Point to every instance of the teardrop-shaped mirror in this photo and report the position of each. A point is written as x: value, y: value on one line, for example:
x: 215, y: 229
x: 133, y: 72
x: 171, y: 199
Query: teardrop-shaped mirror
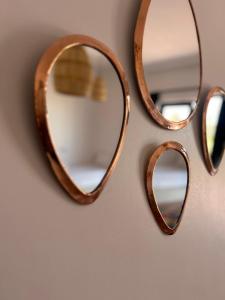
x: 82, y: 107
x: 213, y: 129
x: 168, y: 61
x: 167, y: 183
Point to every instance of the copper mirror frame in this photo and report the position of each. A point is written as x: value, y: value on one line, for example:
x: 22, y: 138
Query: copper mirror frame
x: 139, y: 70
x: 40, y: 88
x: 209, y: 164
x: 149, y: 183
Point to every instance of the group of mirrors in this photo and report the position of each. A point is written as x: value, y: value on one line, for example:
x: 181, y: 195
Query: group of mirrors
x: 82, y: 107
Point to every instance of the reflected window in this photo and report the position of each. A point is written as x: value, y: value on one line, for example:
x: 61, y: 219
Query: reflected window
x: 176, y: 111
x: 175, y: 104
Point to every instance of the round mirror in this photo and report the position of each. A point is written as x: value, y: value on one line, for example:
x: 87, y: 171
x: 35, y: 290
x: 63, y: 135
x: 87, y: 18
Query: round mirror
x: 167, y: 185
x: 82, y: 102
x: 213, y: 129
x: 168, y: 61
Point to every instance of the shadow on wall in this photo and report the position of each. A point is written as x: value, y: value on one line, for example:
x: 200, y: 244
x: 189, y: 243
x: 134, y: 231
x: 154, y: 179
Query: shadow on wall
x: 143, y: 162
x: 197, y: 121
x: 24, y: 49
x: 125, y: 38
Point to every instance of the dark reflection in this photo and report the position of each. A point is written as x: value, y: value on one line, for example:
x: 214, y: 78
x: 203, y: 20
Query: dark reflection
x: 215, y: 128
x: 170, y: 185
x: 171, y: 58
x: 85, y: 114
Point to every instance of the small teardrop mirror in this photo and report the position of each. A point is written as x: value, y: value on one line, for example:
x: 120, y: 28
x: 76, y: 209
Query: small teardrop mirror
x: 213, y: 129
x: 167, y: 185
x: 82, y: 106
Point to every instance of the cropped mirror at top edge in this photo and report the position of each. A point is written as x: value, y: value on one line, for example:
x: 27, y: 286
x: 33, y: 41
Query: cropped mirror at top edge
x: 214, y: 129
x: 168, y: 179
x: 168, y: 60
x: 87, y: 110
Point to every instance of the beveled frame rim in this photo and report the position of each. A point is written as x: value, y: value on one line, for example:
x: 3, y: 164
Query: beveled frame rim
x: 40, y: 88
x: 145, y: 92
x: 153, y: 159
x: 208, y: 161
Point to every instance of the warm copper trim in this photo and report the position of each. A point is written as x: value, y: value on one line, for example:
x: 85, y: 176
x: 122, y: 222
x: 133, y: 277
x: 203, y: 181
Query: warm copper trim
x: 139, y: 69
x: 209, y: 164
x: 149, y: 183
x: 42, y: 73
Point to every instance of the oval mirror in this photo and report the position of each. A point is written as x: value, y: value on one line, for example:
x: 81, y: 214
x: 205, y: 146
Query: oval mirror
x: 82, y: 106
x: 213, y: 129
x: 168, y: 61
x: 167, y: 183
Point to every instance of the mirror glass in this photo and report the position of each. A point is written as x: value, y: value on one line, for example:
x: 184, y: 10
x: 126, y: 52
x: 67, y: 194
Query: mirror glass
x: 170, y: 181
x: 215, y: 128
x: 85, y: 110
x: 171, y: 58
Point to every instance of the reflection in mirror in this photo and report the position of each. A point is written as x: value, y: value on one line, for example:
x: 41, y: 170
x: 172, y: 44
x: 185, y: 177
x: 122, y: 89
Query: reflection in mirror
x: 171, y: 60
x: 168, y: 179
x: 85, y: 114
x: 214, y: 128
x: 169, y: 186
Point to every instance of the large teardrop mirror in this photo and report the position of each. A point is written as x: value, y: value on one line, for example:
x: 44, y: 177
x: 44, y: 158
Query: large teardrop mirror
x: 82, y: 107
x: 167, y: 185
x: 168, y: 61
x: 213, y: 129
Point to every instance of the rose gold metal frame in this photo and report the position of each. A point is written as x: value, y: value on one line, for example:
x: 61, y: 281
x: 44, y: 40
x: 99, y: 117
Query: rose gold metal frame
x: 209, y: 164
x: 149, y: 184
x: 139, y: 69
x: 41, y: 77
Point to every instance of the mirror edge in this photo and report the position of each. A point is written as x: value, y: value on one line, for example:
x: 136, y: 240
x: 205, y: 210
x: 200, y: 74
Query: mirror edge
x: 154, y: 157
x: 208, y: 161
x: 139, y: 70
x: 40, y: 88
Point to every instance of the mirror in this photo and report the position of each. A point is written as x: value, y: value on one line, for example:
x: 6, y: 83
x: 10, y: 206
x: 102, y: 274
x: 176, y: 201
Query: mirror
x: 168, y: 61
x: 86, y: 106
x: 167, y: 184
x: 214, y: 128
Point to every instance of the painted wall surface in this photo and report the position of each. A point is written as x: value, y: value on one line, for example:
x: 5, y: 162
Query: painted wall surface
x: 52, y: 248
